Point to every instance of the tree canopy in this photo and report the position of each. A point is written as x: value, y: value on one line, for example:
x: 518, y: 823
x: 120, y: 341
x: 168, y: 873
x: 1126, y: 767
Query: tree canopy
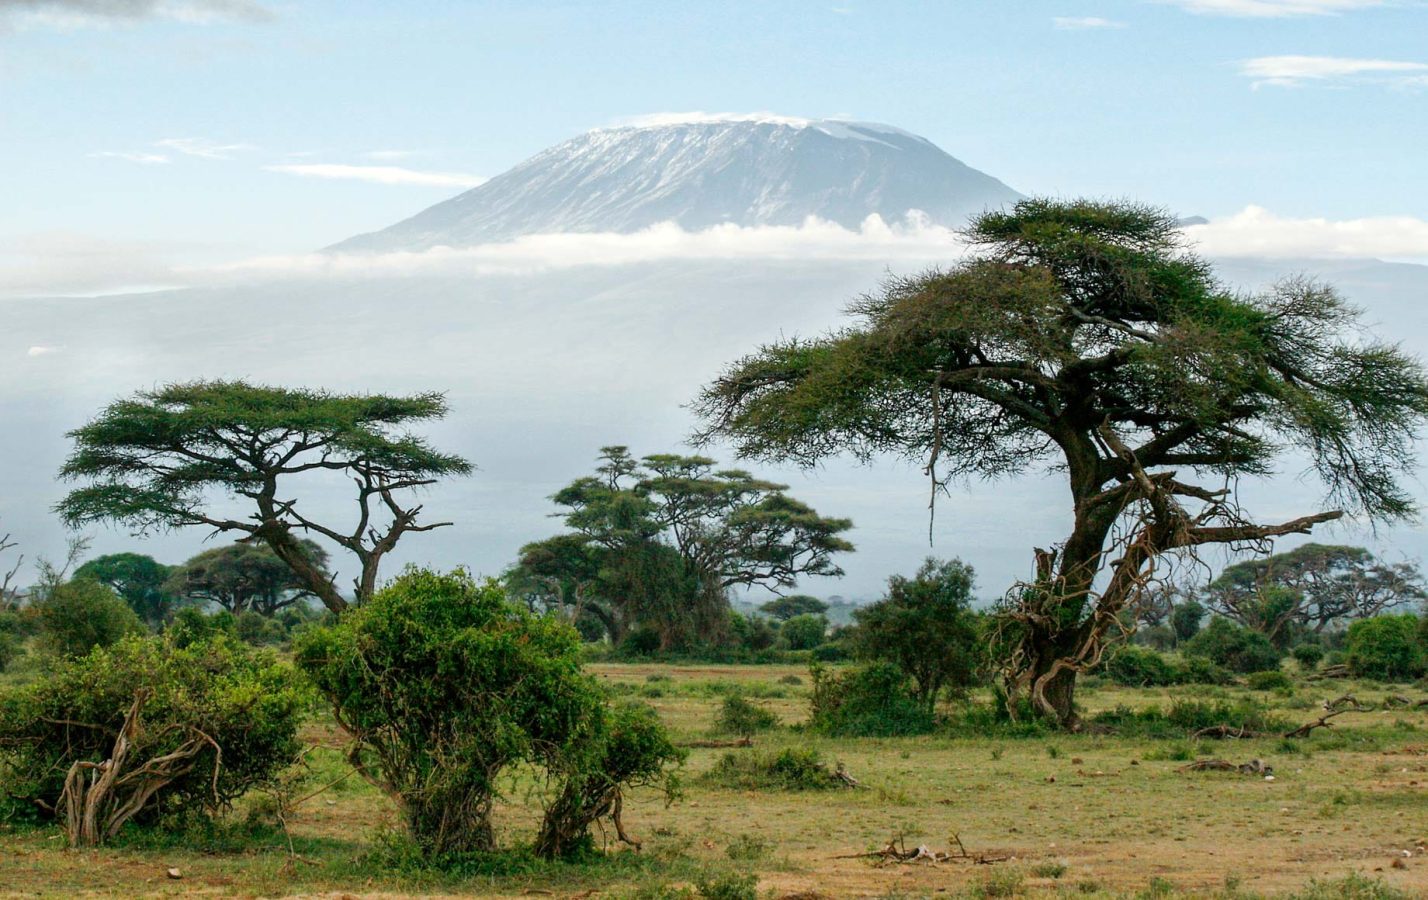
x: 661, y: 540
x: 138, y: 578
x: 1083, y: 338
x: 1311, y: 588
x: 244, y: 577
x: 157, y: 459
x: 785, y: 608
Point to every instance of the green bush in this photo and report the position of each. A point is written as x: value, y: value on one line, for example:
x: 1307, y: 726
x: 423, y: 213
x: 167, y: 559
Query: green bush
x: 248, y: 703
x: 11, y: 638
x: 1135, y: 666
x: 77, y: 616
x: 639, y: 643
x: 833, y: 651
x: 1386, y: 648
x: 804, y: 632
x: 793, y: 769
x: 257, y: 629
x: 443, y: 685
x: 1308, y: 656
x: 1234, y: 647
x: 738, y: 716
x: 869, y: 701
x: 1273, y: 680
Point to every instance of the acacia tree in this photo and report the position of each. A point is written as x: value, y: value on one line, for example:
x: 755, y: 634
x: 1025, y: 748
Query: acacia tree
x: 9, y: 589
x: 138, y: 578
x: 662, y: 540
x: 1083, y: 338
x: 156, y: 460
x: 244, y: 577
x: 1310, y: 588
x: 785, y: 608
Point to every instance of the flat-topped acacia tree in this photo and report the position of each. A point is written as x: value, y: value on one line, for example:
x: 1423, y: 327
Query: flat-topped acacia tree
x: 158, y: 459
x: 1083, y: 338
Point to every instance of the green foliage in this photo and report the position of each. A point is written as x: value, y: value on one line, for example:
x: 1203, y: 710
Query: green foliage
x: 1234, y: 647
x: 248, y: 703
x: 804, y: 632
x: 1273, y: 680
x: 1387, y: 648
x: 739, y: 716
x: 785, y: 608
x: 867, y: 701
x: 627, y: 747
x: 1308, y: 655
x: 11, y: 643
x: 443, y: 684
x: 728, y: 886
x: 926, y: 628
x: 246, y: 577
x: 1134, y: 666
x: 792, y: 769
x: 137, y: 578
x: 1080, y: 336
x: 79, y: 615
x: 658, y: 542
x: 156, y: 460
x: 1185, y: 620
x: 1186, y: 716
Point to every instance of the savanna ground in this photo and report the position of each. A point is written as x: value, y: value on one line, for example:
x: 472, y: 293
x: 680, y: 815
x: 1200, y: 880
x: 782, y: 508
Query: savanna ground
x: 1084, y: 815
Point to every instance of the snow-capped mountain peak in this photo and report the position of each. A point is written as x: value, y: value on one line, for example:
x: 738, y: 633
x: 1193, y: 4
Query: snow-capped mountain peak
x: 699, y: 170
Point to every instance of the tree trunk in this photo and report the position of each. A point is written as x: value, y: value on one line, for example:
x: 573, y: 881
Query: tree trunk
x: 312, y: 577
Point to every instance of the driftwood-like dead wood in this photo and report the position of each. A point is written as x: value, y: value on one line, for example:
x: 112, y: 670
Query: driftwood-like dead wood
x: 840, y: 775
x: 1339, y: 671
x: 897, y: 852
x: 1221, y: 732
x: 1321, y: 722
x: 740, y: 742
x: 98, y: 798
x: 1396, y: 701
x: 1253, y: 767
x: 1346, y: 702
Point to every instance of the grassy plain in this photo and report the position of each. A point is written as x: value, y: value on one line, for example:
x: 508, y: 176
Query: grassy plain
x: 1085, y: 815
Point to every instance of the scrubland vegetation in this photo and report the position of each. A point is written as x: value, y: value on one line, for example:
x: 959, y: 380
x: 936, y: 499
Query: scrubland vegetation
x: 598, y: 718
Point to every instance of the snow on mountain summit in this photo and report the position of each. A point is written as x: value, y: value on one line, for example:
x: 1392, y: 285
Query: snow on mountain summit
x: 700, y: 170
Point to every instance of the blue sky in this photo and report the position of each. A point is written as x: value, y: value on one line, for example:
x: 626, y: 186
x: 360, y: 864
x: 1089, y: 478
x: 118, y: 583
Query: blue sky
x: 1309, y: 108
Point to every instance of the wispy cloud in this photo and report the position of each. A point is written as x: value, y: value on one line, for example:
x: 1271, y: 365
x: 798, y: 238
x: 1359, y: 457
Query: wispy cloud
x: 41, y: 351
x: 145, y: 158
x: 55, y: 263
x: 1084, y: 23
x: 1273, y: 9
x: 202, y: 147
x: 1257, y: 232
x: 1293, y: 71
x: 84, y: 13
x: 391, y: 154
x: 379, y: 174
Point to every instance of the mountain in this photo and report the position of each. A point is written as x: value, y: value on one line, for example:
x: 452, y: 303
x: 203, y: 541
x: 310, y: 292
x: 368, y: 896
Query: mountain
x: 698, y: 174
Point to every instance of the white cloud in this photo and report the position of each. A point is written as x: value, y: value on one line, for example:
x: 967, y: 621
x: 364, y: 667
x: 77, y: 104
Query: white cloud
x: 145, y: 158
x: 391, y: 154
x: 41, y: 351
x: 1084, y: 23
x: 84, y: 13
x: 202, y: 147
x: 69, y: 264
x: 1257, y: 232
x: 1273, y: 9
x: 379, y: 174
x: 1293, y: 71
x: 53, y: 263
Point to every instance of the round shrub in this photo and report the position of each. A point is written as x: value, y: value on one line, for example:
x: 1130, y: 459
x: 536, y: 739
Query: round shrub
x: 1139, y: 667
x: 1234, y: 647
x: 443, y: 684
x: 743, y: 718
x: 1272, y: 680
x: 1386, y: 648
x: 869, y: 701
x: 77, y: 616
x: 804, y: 632
x: 248, y: 703
x: 641, y: 641
x: 1308, y: 656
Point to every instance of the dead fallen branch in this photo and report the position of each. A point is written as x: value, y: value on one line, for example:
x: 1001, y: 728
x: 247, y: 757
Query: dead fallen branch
x: 1253, y: 767
x: 1345, y: 703
x: 897, y: 852
x: 1339, y: 671
x: 1221, y: 732
x: 1396, y: 701
x: 1321, y: 722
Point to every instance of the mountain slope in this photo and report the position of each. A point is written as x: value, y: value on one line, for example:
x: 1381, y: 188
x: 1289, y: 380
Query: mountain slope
x: 699, y: 174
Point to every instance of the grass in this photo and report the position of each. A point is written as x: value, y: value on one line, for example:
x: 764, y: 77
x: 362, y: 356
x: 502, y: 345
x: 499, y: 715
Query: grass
x: 1088, y: 815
